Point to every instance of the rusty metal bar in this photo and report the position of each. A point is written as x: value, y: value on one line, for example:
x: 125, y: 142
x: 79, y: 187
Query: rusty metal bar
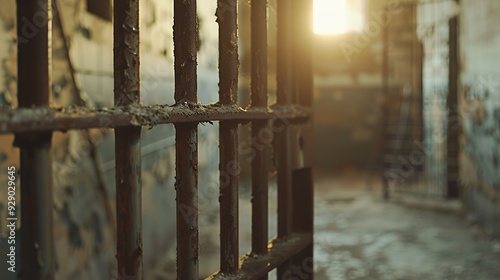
x: 452, y: 142
x: 260, y: 190
x: 228, y: 51
x: 128, y: 141
x: 185, y: 51
x: 303, y: 222
x: 259, y: 52
x: 186, y: 186
x: 284, y: 51
x: 35, y: 53
x: 280, y: 250
x: 302, y: 12
x: 301, y: 179
x: 186, y: 140
x: 34, y: 90
x: 50, y: 119
x: 228, y: 135
x: 259, y: 129
x: 229, y: 171
x: 282, y: 149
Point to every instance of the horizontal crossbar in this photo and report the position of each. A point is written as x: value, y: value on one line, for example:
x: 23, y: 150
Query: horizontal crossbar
x: 280, y: 250
x: 62, y: 119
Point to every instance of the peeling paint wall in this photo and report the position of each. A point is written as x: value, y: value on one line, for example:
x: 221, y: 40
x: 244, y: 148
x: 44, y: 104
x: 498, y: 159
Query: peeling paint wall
x: 479, y: 97
x: 433, y: 31
x: 84, y: 233
x: 480, y: 108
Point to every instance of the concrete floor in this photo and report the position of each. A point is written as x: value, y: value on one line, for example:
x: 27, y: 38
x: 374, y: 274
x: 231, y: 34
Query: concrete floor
x: 360, y: 236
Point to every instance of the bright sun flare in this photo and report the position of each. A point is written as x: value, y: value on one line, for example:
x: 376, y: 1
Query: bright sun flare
x: 330, y: 16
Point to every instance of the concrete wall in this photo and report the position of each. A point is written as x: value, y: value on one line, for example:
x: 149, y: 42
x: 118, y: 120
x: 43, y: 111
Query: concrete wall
x: 480, y: 108
x: 85, y: 243
x: 479, y: 97
x: 348, y: 98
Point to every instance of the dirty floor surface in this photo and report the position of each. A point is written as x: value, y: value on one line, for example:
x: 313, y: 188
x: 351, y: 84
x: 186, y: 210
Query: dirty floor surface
x: 359, y: 236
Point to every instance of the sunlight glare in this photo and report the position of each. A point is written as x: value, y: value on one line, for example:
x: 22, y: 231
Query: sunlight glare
x: 330, y: 16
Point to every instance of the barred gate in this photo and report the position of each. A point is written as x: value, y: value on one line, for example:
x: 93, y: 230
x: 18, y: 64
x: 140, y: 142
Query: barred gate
x: 421, y: 133
x: 34, y: 121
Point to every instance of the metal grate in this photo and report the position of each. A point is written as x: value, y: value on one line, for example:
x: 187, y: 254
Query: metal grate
x: 34, y: 121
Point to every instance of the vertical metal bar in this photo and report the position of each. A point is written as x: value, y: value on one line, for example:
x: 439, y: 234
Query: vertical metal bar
x: 302, y: 182
x: 34, y: 52
x: 259, y: 98
x: 302, y: 12
x: 228, y: 51
x: 282, y: 139
x: 128, y: 141
x: 259, y: 52
x: 284, y: 52
x: 303, y: 200
x: 282, y: 148
x: 186, y: 140
x: 228, y: 199
x: 452, y: 143
x: 185, y: 40
x: 284, y: 86
x: 34, y: 86
x: 228, y: 137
